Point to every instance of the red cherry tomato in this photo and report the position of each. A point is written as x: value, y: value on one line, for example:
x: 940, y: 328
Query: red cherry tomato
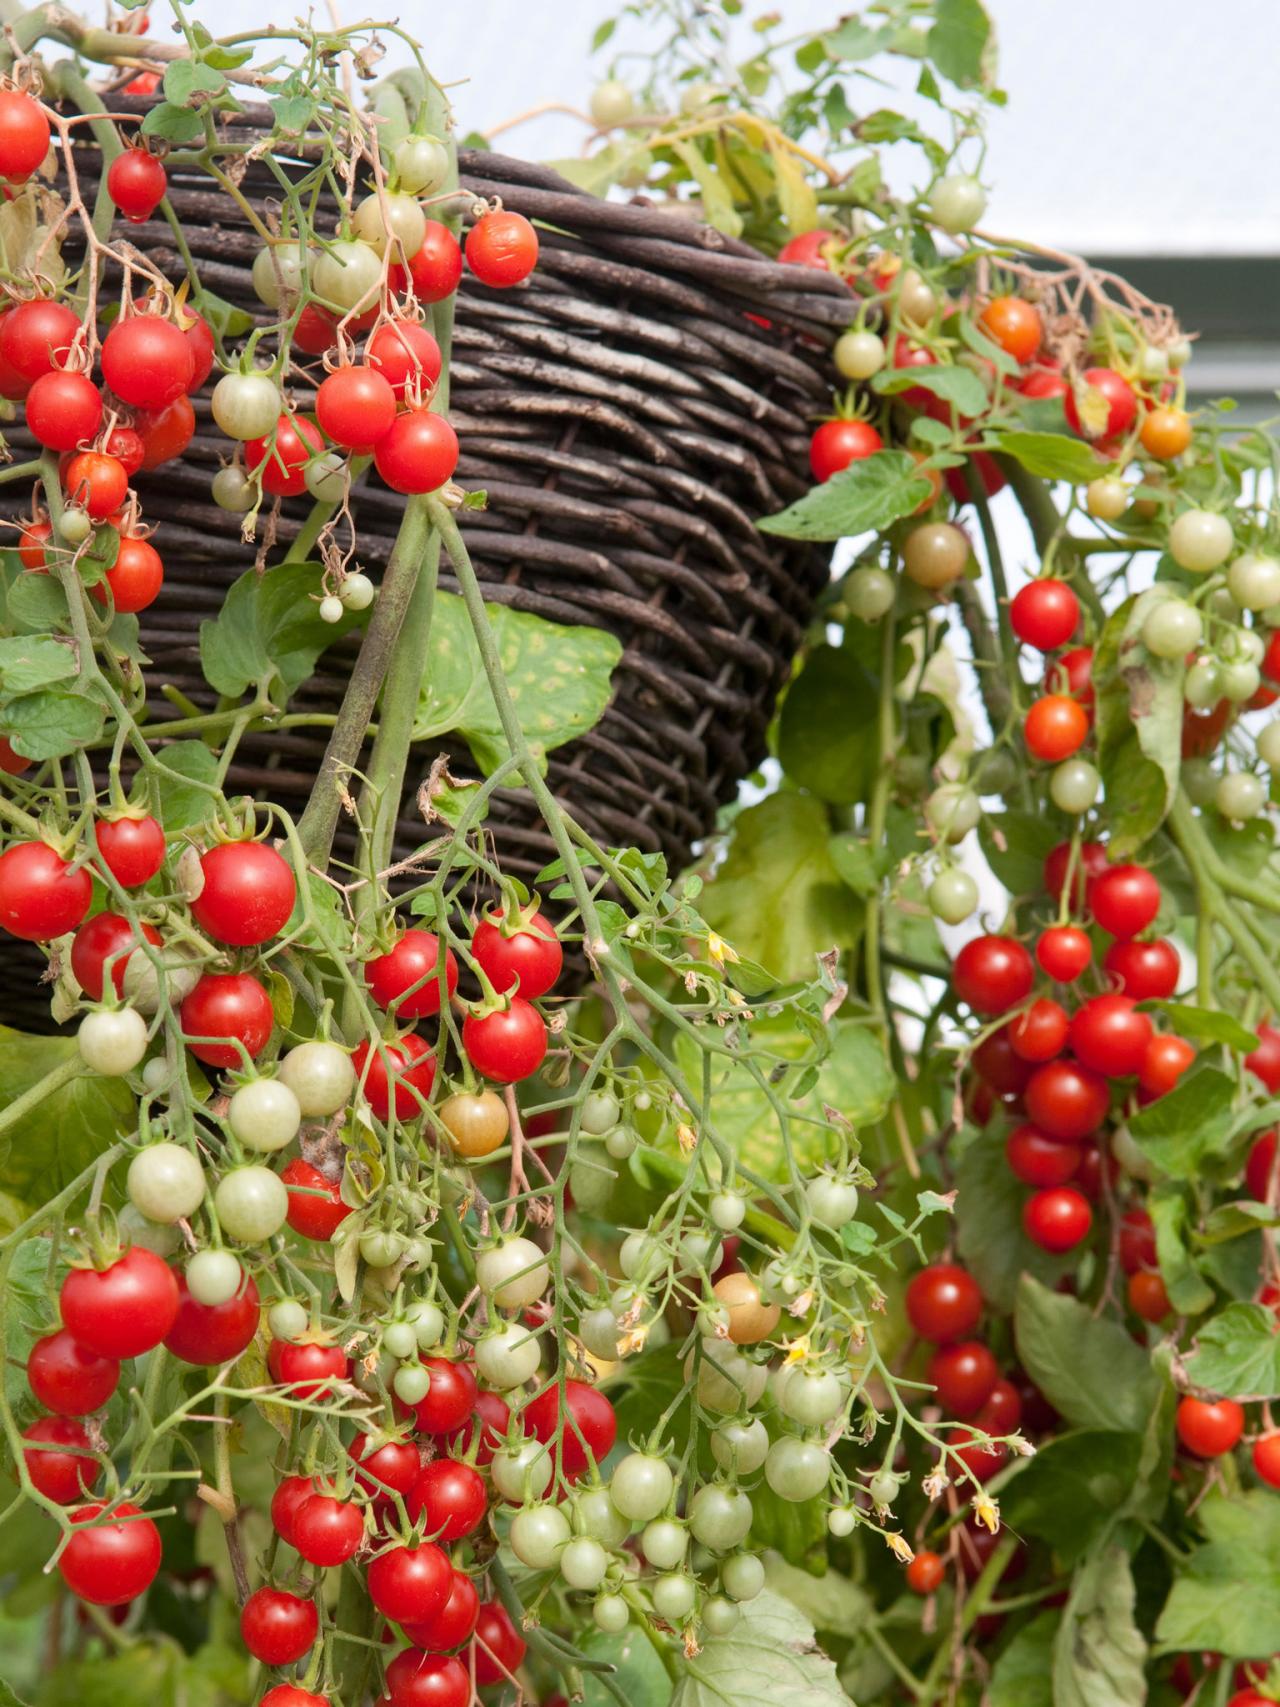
x: 289, y: 1695
x: 979, y: 1459
x: 1055, y: 727
x: 61, y: 1464
x: 908, y: 354
x: 166, y: 432
x: 418, y: 454
x: 415, y: 1679
x: 453, y: 1624
x: 327, y: 1531
x: 502, y: 249
x: 289, y: 1495
x: 214, y: 1333
x: 405, y: 354
x: 124, y: 1309
x: 1091, y: 858
x: 1117, y: 395
x: 411, y: 966
x: 1124, y: 899
x: 106, y: 936
x: 1164, y: 1062
x: 1044, y: 614
x: 1040, y: 1161
x: 24, y: 136
x: 114, y: 1561
x: 1110, y: 1035
x: 943, y: 1302
x: 1071, y: 672
x: 483, y: 1432
x: 1266, y: 1459
x: 1137, y: 1241
x: 405, y: 1064
x: 314, y: 1216
x: 999, y: 1064
x: 508, y: 1044
x: 283, y: 463
x: 451, y: 1497
x: 1041, y: 1032
x: 63, y: 409
x: 964, y: 1374
x: 41, y: 894
x: 992, y: 974
x: 409, y: 1584
x: 1145, y: 971
x: 1063, y: 952
x: 589, y: 1431
x: 32, y: 541
x: 450, y: 1399
x: 807, y: 250
x: 249, y: 892
x: 355, y: 405
x: 498, y: 1649
x: 229, y: 1008
x: 1066, y: 1100
x: 200, y: 341
x: 135, y: 578
x: 434, y: 271
x: 1258, y: 1167
x: 387, y: 1467
x: 526, y: 961
x: 132, y: 849
x: 315, y: 331
x: 1264, y: 1061
x: 278, y: 1627
x: 125, y: 444
x: 136, y: 183
x: 1015, y: 325
x: 1057, y: 1218
x: 36, y: 337
x: 1209, y: 1428
x: 1147, y: 1296
x: 66, y: 1377
x: 146, y: 360
x: 837, y: 444
x: 926, y: 1573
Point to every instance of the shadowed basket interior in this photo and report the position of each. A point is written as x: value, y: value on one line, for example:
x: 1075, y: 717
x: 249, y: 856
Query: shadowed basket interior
x: 629, y: 420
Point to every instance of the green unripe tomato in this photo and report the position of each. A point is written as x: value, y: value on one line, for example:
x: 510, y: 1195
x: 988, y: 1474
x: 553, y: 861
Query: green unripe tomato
x: 1172, y: 628
x: 276, y: 274
x: 1269, y: 745
x: 513, y: 1274
x: 641, y: 1486
x: 288, y: 1320
x: 166, y: 1183
x: 742, y: 1576
x: 1254, y: 581
x: 1200, y: 540
x: 842, y: 1520
x: 75, y: 526
x: 399, y: 1340
x: 953, y: 809
x: 797, y: 1469
x: 264, y: 1115
x: 381, y: 1248
x: 620, y: 1143
x: 1240, y: 796
x: 727, y: 1210
x: 1107, y: 498
x: 1238, y: 679
x: 522, y: 1473
x: 957, y: 202
x: 883, y: 1487
x: 348, y: 275
x: 612, y: 103
x: 320, y: 1075
x: 831, y: 1201
x: 596, y: 1515
x: 740, y: 1446
x: 233, y: 491
x: 537, y: 1535
x: 357, y: 591
x: 421, y: 165
x: 584, y: 1563
x: 610, y: 1613
x: 601, y: 1112
x: 390, y: 221
x: 1153, y: 363
x: 952, y: 896
x: 1202, y: 685
x: 810, y: 1397
x: 870, y: 593
x: 251, y: 1204
x: 112, y: 1041
x: 246, y: 405
x: 508, y: 1356
x: 720, y: 1516
x: 598, y: 1331
x: 1074, y: 786
x: 326, y: 480
x: 859, y: 355
x: 665, y: 1543
x: 154, y: 1236
x: 674, y: 1597
x: 1200, y: 780
x: 427, y: 1322
x: 719, y: 1616
x: 411, y: 1383
x: 214, y: 1277
x: 727, y: 1380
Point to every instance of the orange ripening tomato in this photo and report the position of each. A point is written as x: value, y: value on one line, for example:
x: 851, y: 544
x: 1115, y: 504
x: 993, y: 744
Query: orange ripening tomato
x: 1166, y: 433
x: 1015, y: 325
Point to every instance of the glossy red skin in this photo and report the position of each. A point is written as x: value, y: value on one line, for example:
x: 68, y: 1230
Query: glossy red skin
x: 992, y: 974
x: 1045, y: 613
x: 1040, y: 1032
x: 1066, y: 1100
x: 807, y: 250
x: 907, y: 354
x: 289, y: 1495
x: 1258, y: 1169
x: 36, y: 337
x: 125, y: 444
x: 313, y: 1217
x: 965, y: 1375
x: 135, y: 578
x: 1110, y: 1035
x: 926, y: 1573
x: 32, y: 541
x: 1137, y: 1241
x: 1015, y: 325
x: 327, y: 1531
x: 146, y: 361
x: 593, y: 1414
x: 415, y: 1679
x: 1063, y: 952
x: 1208, y: 1429
x: 406, y: 355
x: 837, y: 444
x: 41, y: 894
x: 507, y: 1045
x: 98, y: 939
x: 284, y: 463
x: 1265, y: 1059
x: 63, y: 1477
x: 214, y: 1333
x: 289, y: 1695
x: 24, y: 135
x: 989, y: 474
x: 418, y: 454
x: 136, y: 183
x: 450, y: 1399
x: 502, y: 249
x: 415, y: 957
x: 1122, y: 402
x: 1203, y: 730
x: 248, y: 895
x: 355, y: 406
x: 122, y: 1310
x: 451, y: 1497
x: 114, y: 1562
x: 132, y: 849
x: 63, y: 409
x: 980, y: 1460
x: 1038, y: 1160
x: 1145, y: 971
x: 307, y: 1367
x: 166, y: 432
x: 483, y: 1432
x: 1124, y: 900
x: 436, y: 268
x: 1057, y: 1219
x: 1071, y: 672
x: 316, y: 331
x: 1266, y: 1459
x: 97, y: 482
x: 227, y: 1005
x: 943, y: 1302
x: 1147, y: 1296
x: 278, y: 1627
x: 1165, y: 1061
x: 387, y: 1467
x: 410, y: 1584
x: 999, y: 1063
x: 68, y: 1378
x: 498, y: 1649
x: 199, y: 335
x: 1090, y: 860
x: 528, y: 962
x: 1055, y: 727
x: 1002, y: 1413
x: 453, y: 1624
x: 413, y: 1070
x: 1042, y: 382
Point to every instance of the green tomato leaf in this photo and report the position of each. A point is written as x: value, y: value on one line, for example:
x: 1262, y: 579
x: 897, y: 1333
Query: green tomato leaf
x: 1099, y: 1657
x: 34, y: 661
x: 1063, y: 1346
x: 1188, y: 1292
x: 827, y: 727
x: 182, y: 803
x: 65, y: 1131
x: 1023, y: 1674
x: 989, y: 1235
x: 1184, y: 1129
x: 1139, y: 722
x: 832, y: 1603
x: 36, y: 601
x: 1071, y: 1490
x: 717, y: 197
x: 1051, y: 456
x: 853, y: 859
x: 853, y: 41
x: 1237, y: 1354
x: 957, y: 385
x: 1016, y: 845
x: 958, y: 42
x: 49, y: 724
x: 268, y: 631
x: 559, y: 676
x: 1208, y: 1024
x: 186, y: 78
x: 639, y: 1674
x: 1227, y: 1596
x: 173, y: 121
x: 778, y: 897
x: 863, y: 498
x: 770, y: 1659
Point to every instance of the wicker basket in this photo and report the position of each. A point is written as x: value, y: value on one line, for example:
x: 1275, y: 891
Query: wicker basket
x: 630, y: 412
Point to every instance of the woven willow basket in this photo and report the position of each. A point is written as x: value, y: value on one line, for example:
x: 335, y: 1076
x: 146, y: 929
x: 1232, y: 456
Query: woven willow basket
x: 631, y: 412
